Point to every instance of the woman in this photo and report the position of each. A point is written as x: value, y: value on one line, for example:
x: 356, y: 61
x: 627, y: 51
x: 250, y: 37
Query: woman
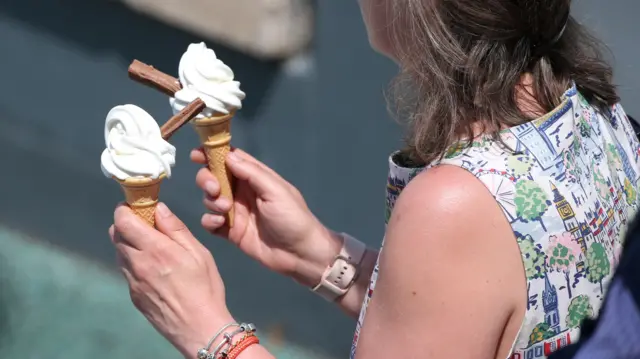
x: 505, y: 211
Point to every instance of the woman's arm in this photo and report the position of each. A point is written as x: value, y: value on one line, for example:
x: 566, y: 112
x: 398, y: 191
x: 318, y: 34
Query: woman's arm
x: 451, y: 281
x: 310, y: 273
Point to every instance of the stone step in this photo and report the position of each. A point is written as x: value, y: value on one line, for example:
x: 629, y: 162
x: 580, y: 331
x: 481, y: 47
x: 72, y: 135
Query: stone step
x: 266, y: 29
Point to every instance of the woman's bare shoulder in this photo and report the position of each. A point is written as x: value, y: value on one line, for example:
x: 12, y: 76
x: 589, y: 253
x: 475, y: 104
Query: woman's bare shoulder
x: 447, y: 243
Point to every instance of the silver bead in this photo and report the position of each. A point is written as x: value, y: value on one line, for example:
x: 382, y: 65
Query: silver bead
x: 203, y: 353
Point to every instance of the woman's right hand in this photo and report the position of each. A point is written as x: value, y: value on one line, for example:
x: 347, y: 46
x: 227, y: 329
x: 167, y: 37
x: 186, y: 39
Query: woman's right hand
x: 273, y: 224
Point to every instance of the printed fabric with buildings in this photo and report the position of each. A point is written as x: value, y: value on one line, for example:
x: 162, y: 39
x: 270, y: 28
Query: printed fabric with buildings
x: 567, y: 184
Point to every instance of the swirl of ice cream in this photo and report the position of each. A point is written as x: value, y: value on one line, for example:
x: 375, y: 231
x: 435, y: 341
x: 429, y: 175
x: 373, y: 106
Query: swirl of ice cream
x: 203, y: 75
x: 135, y: 147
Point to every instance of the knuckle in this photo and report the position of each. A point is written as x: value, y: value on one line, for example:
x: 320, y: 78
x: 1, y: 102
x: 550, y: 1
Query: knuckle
x: 201, y: 257
x: 142, y: 270
x: 121, y: 224
x: 201, y: 177
x: 180, y: 227
x: 294, y: 191
x: 136, y: 297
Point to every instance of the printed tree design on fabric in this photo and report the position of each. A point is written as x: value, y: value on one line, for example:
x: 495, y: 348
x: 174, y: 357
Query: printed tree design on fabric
x: 577, y: 144
x: 463, y: 146
x: 585, y: 128
x: 562, y: 254
x: 540, y: 332
x: 519, y: 165
x: 598, y: 264
x: 630, y: 193
x: 601, y: 182
x: 387, y: 214
x: 613, y: 158
x: 531, y: 202
x: 579, y: 309
x: 455, y: 149
x: 534, y: 263
x: 572, y: 170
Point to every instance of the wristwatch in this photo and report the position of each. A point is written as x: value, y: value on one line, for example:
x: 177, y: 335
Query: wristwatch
x: 343, y: 272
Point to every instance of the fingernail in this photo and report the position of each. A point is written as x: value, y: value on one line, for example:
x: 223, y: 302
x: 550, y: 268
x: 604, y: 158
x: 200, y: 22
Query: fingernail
x: 163, y: 210
x: 233, y: 157
x: 211, y: 187
x: 214, y: 220
x: 223, y: 203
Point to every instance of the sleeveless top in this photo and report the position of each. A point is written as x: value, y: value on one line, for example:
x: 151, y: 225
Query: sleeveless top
x: 567, y: 183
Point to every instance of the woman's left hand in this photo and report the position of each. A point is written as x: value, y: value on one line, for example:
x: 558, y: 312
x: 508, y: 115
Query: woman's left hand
x: 173, y: 279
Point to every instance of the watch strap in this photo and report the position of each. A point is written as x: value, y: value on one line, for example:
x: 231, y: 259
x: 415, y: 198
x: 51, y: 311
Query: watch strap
x: 342, y: 273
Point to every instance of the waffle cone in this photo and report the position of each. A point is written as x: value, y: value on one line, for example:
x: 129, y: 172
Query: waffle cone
x: 141, y: 195
x: 215, y: 137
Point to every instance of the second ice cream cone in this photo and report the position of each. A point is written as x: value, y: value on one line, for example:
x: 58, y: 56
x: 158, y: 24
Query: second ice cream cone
x: 141, y: 195
x: 215, y: 137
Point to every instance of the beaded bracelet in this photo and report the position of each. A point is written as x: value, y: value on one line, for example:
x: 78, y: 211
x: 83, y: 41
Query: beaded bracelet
x: 241, y: 345
x: 228, y: 338
x: 225, y: 353
x: 203, y: 353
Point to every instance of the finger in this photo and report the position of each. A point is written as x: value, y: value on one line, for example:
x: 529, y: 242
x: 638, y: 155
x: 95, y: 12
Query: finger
x: 112, y: 233
x: 262, y: 181
x: 219, y: 205
x: 247, y: 157
x: 208, y: 182
x: 127, y: 273
x: 130, y: 230
x: 214, y: 224
x: 119, y: 242
x: 169, y: 224
x: 197, y: 155
x: 120, y: 260
x: 123, y: 255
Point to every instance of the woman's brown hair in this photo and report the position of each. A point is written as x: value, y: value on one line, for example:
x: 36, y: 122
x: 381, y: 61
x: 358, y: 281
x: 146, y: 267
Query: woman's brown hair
x: 463, y: 60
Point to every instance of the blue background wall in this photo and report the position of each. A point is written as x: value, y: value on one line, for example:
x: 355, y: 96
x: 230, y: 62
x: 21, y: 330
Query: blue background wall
x: 319, y: 120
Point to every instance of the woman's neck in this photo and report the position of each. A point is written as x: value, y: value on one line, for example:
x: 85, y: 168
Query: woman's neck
x: 526, y: 99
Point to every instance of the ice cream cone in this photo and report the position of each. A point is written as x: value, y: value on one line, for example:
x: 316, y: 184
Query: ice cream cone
x: 215, y: 137
x: 141, y: 195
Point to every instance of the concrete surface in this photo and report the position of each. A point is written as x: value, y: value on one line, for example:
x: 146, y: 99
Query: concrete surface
x: 318, y: 119
x: 266, y: 29
x: 64, y: 306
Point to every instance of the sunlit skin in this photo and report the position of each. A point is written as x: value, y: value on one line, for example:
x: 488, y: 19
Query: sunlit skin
x: 431, y: 264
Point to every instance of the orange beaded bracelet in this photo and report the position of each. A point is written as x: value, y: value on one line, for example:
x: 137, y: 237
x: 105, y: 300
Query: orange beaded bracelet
x: 241, y: 345
x: 226, y: 352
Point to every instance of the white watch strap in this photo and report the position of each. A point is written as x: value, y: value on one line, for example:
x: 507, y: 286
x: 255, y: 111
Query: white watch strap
x: 340, y: 275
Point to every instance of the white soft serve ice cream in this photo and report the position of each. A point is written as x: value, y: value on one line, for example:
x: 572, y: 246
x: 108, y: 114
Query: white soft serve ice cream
x: 135, y: 147
x: 203, y: 75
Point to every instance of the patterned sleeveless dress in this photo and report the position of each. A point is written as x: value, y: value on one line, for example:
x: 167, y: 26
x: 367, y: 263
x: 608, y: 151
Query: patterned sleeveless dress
x: 568, y: 188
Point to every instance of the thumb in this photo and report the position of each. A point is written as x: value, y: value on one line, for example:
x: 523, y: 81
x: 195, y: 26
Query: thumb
x: 171, y: 226
x: 130, y: 229
x: 263, y: 182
